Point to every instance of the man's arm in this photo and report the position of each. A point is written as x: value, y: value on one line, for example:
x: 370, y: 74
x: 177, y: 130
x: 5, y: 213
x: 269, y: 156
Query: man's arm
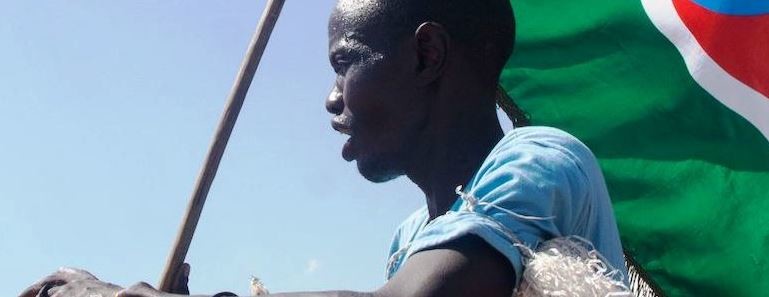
x: 467, y: 266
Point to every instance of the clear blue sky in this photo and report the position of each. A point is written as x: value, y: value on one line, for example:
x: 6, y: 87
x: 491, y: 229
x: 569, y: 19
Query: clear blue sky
x: 106, y: 111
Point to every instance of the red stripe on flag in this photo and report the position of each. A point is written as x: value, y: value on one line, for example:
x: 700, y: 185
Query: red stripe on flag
x: 739, y: 44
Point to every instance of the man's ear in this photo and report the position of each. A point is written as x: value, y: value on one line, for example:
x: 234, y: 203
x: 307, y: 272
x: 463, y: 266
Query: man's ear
x: 432, y: 46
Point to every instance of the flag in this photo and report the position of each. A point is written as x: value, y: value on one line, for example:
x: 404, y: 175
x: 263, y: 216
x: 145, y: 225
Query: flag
x: 673, y: 98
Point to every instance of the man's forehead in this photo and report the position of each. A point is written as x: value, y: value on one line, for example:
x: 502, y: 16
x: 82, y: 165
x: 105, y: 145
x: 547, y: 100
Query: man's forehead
x: 353, y: 14
x: 357, y: 7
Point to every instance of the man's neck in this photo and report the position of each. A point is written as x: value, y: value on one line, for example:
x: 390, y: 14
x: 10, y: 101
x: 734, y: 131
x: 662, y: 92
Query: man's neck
x: 458, y: 145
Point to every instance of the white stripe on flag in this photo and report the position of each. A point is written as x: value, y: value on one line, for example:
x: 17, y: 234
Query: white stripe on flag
x: 736, y: 95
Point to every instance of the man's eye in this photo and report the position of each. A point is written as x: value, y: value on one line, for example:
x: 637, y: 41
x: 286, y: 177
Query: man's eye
x: 341, y: 65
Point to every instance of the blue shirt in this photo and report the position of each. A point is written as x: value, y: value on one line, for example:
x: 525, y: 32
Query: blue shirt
x: 533, y: 171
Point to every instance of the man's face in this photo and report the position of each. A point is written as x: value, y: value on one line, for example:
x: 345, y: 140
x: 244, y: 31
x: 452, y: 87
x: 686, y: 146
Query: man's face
x: 374, y: 99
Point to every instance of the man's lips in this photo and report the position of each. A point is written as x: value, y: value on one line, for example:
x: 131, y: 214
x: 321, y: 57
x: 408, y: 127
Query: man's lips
x: 348, y: 154
x: 341, y: 124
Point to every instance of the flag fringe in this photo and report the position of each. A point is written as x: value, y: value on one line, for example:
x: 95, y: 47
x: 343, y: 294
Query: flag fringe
x: 641, y: 283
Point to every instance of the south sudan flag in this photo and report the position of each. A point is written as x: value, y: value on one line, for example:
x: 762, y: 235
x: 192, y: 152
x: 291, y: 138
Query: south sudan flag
x: 673, y: 98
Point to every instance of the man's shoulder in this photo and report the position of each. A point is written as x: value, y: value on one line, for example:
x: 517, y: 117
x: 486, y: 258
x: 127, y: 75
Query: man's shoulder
x: 542, y: 135
x: 540, y: 156
x: 542, y: 140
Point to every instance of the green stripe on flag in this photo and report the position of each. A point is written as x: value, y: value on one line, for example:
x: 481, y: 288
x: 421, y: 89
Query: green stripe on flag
x: 689, y: 177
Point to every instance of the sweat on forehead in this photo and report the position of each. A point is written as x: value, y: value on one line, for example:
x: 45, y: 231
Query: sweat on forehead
x: 354, y: 14
x: 360, y: 6
x: 361, y: 20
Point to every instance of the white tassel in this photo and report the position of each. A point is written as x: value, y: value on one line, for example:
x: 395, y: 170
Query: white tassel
x: 569, y: 267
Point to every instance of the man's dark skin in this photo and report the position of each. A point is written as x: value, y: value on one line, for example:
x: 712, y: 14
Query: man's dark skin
x: 418, y: 106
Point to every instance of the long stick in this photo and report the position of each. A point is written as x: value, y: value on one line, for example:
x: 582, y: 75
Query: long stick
x: 219, y: 143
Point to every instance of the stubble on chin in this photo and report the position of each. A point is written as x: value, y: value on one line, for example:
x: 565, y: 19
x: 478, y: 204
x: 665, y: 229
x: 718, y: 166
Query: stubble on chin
x: 377, y: 171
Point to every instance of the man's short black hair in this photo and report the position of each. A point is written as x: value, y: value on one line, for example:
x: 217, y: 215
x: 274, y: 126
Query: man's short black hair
x: 487, y: 27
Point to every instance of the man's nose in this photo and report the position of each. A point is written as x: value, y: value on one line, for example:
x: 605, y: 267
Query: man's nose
x: 334, y: 102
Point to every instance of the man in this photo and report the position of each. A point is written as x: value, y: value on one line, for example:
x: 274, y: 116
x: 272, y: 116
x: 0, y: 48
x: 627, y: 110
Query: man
x: 415, y: 91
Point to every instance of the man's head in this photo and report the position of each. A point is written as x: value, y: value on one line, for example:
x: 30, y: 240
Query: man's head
x: 395, y: 59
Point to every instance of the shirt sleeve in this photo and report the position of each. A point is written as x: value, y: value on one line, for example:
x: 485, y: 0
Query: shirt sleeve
x: 529, y: 176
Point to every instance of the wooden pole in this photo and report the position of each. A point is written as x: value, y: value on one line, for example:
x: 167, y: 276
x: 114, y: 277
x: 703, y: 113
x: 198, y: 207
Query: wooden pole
x: 216, y: 150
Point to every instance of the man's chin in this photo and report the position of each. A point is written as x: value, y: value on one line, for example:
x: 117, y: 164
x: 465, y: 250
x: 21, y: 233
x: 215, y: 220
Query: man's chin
x: 376, y: 173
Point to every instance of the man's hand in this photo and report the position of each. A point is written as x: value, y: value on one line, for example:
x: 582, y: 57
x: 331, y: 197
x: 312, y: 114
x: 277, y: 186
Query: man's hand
x: 180, y: 283
x: 61, y: 277
x: 143, y: 289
